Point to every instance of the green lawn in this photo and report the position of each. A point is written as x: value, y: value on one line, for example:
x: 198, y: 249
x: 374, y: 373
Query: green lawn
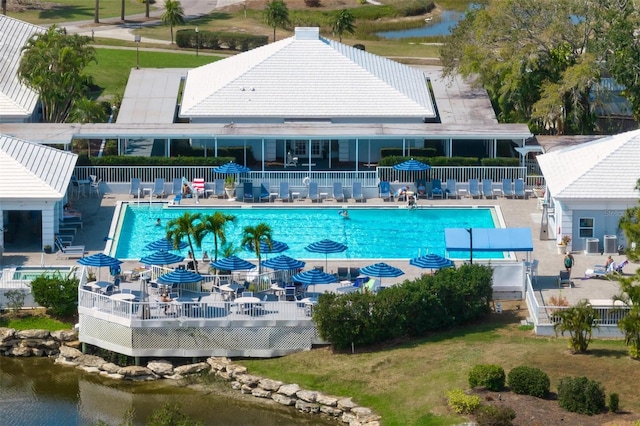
x: 75, y: 10
x: 33, y: 323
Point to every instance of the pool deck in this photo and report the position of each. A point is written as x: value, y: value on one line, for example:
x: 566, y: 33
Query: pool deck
x: 98, y: 213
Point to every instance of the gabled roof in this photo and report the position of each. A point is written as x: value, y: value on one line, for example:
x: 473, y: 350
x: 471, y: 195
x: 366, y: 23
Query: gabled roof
x: 30, y: 170
x: 17, y: 101
x: 306, y: 76
x: 606, y: 168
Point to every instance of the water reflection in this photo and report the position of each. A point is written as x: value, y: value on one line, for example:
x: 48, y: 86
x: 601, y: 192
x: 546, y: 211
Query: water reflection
x: 439, y: 26
x: 34, y: 391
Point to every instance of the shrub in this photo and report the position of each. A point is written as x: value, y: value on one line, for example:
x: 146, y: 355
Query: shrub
x: 15, y: 300
x: 462, y: 403
x: 581, y: 395
x: 614, y: 402
x: 58, y: 294
x: 312, y: 3
x: 490, y: 415
x: 529, y: 381
x: 491, y: 376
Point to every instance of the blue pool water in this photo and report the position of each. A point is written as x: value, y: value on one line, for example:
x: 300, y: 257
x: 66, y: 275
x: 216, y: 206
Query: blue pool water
x: 370, y: 233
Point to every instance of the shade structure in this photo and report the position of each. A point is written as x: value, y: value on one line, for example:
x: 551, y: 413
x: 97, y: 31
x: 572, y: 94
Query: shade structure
x: 231, y: 168
x: 165, y: 245
x: 313, y: 277
x: 161, y: 258
x: 179, y: 276
x: 283, y: 263
x: 276, y: 247
x: 381, y: 270
x: 412, y: 166
x: 99, y: 260
x: 233, y: 263
x: 431, y: 261
x: 326, y: 247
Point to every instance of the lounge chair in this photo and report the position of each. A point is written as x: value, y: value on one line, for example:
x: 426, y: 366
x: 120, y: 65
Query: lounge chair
x: 474, y: 189
x: 158, y: 188
x: 68, y: 251
x: 343, y: 273
x: 421, y: 189
x: 219, y: 188
x: 601, y: 271
x: 338, y: 193
x: 134, y: 187
x: 564, y: 278
x: 264, y: 192
x: 436, y: 188
x: 247, y: 193
x: 283, y: 193
x: 313, y: 191
x: 94, y: 187
x: 357, y: 191
x: 452, y: 190
x: 518, y: 188
x: 507, y: 188
x: 198, y: 186
x: 176, y: 188
x: 385, y: 191
x: 487, y: 188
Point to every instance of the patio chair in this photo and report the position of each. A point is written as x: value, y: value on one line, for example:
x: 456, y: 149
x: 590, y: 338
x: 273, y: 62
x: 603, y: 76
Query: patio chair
x: 507, y: 188
x: 487, y: 188
x: 452, y: 190
x: 247, y: 193
x: 219, y: 188
x: 343, y: 273
x: 421, y: 189
x: 95, y: 188
x: 313, y: 191
x: 176, y: 188
x: 474, y: 189
x: 353, y: 273
x: 564, y: 278
x: 338, y: 193
x: 134, y: 187
x: 385, y: 191
x: 518, y: 188
x: 198, y: 186
x: 264, y: 192
x: 283, y: 193
x: 158, y: 188
x: 436, y: 188
x: 357, y: 191
x: 68, y: 251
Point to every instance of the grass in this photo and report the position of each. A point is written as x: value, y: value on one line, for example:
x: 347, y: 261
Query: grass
x: 406, y: 384
x: 34, y: 322
x: 74, y: 10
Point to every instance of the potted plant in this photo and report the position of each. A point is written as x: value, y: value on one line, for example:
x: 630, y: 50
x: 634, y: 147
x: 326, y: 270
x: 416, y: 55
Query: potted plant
x: 564, y: 242
x: 230, y: 186
x: 538, y: 189
x: 47, y: 249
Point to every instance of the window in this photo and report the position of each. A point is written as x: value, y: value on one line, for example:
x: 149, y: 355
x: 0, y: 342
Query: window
x: 586, y: 227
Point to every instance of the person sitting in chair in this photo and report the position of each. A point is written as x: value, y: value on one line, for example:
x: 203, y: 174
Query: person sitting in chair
x: 186, y: 191
x: 164, y: 298
x: 422, y: 190
x: 610, y: 266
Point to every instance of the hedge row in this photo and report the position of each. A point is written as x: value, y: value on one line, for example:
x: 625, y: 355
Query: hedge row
x: 452, y: 296
x: 390, y: 160
x: 217, y: 40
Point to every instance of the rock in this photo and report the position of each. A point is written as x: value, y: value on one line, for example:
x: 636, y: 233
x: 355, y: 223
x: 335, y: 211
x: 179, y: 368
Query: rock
x: 37, y: 352
x: 224, y: 375
x: 112, y: 375
x: 289, y: 390
x: 346, y: 404
x: 69, y: 353
x: 331, y: 411
x: 110, y: 368
x: 161, y: 367
x: 283, y: 399
x: 307, y: 396
x: 361, y: 412
x: 236, y: 385
x: 271, y: 385
x: 307, y: 407
x: 261, y: 393
x: 74, y: 344
x: 134, y: 371
x: 33, y: 334
x: 89, y: 369
x: 6, y: 334
x: 246, y: 389
x: 331, y: 401
x: 40, y: 343
x: 348, y: 417
x: 65, y: 335
x: 249, y: 380
x: 19, y: 351
x: 218, y: 363
x: 65, y: 362
x: 90, y: 361
x: 186, y: 370
x: 236, y: 370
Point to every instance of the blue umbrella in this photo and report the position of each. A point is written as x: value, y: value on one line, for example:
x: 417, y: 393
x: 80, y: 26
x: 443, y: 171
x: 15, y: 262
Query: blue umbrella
x: 161, y: 258
x: 233, y: 263
x: 99, y: 260
x: 231, y: 168
x: 431, y: 261
x: 326, y: 247
x: 381, y: 270
x: 313, y: 277
x: 276, y: 247
x: 412, y: 166
x: 179, y: 276
x: 283, y: 263
x: 165, y: 245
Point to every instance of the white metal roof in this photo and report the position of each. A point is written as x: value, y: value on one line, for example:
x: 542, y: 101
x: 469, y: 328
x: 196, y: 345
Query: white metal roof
x: 306, y: 76
x: 606, y: 168
x: 17, y: 101
x: 30, y: 170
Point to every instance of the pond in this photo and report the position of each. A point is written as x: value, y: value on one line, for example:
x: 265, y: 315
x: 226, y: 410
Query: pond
x: 440, y: 25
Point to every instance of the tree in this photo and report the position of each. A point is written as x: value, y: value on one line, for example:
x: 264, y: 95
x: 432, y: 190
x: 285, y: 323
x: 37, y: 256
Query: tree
x: 630, y: 224
x: 579, y: 320
x: 85, y: 110
x: 630, y: 324
x: 214, y: 224
x: 532, y: 58
x: 96, y: 13
x: 122, y: 11
x: 58, y: 294
x: 182, y: 227
x: 276, y: 14
x: 343, y: 22
x: 173, y: 14
x: 253, y: 235
x: 53, y: 64
x: 146, y: 8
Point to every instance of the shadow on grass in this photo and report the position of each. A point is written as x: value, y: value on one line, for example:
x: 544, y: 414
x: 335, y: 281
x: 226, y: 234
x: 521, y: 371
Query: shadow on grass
x: 608, y: 353
x: 69, y: 13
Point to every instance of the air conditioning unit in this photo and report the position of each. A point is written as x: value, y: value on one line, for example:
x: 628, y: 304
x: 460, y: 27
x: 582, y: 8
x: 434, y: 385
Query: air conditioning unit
x: 593, y: 246
x: 611, y: 244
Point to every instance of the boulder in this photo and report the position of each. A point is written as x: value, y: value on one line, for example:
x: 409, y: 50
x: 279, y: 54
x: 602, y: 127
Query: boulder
x: 331, y: 411
x: 113, y: 376
x: 90, y: 361
x: 246, y: 389
x: 270, y: 385
x: 283, y: 399
x: 161, y: 367
x: 33, y: 334
x: 236, y: 385
x: 289, y: 390
x: 6, y: 334
x: 19, y: 351
x: 65, y: 335
x: 361, y: 412
x: 331, y: 401
x: 307, y: 407
x: 37, y: 352
x: 88, y: 369
x: 110, y: 368
x: 307, y: 396
x: 69, y: 353
x: 185, y: 370
x: 248, y: 379
x: 218, y: 363
x: 224, y: 375
x: 346, y: 404
x: 134, y: 371
x: 261, y: 393
x: 236, y: 370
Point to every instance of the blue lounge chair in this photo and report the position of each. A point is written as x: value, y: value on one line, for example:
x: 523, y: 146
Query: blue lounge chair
x: 158, y: 188
x: 421, y: 189
x: 487, y: 188
x: 177, y: 186
x: 436, y: 188
x: 385, y: 191
x: 452, y: 190
x: 218, y: 188
x: 474, y: 189
x: 313, y: 191
x: 264, y: 192
x: 248, y: 191
x: 338, y: 193
x: 357, y: 191
x: 134, y: 187
x: 507, y: 190
x: 518, y: 188
x: 284, y: 193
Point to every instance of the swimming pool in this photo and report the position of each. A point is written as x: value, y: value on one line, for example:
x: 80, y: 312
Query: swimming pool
x: 29, y: 273
x: 369, y: 233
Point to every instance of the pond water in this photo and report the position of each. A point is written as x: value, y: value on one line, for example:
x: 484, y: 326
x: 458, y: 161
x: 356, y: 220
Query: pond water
x: 440, y: 25
x: 34, y: 391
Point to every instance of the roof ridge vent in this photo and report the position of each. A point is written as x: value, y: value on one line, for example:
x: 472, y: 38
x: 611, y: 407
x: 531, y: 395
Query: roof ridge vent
x: 307, y: 33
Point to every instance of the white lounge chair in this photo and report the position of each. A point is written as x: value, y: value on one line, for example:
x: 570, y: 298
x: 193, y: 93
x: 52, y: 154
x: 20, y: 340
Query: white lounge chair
x: 68, y: 251
x: 507, y: 189
x: 284, y: 193
x: 487, y: 188
x: 338, y: 193
x: 474, y: 189
x: 158, y: 188
x: 452, y: 188
x: 357, y: 191
x: 313, y: 191
x: 134, y: 187
x: 518, y: 188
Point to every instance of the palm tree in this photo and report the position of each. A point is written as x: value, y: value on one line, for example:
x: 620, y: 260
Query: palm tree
x: 579, y: 321
x: 86, y: 110
x: 173, y: 14
x: 630, y: 323
x: 213, y: 224
x: 122, y: 11
x: 276, y: 14
x: 184, y: 226
x: 252, y: 237
x: 343, y: 22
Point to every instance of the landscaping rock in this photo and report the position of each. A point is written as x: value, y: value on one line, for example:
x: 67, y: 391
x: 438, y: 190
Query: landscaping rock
x: 33, y: 334
x: 271, y: 385
x: 289, y: 390
x: 307, y: 396
x: 161, y: 367
x: 186, y: 370
x: 283, y: 399
x: 307, y: 407
x: 65, y: 335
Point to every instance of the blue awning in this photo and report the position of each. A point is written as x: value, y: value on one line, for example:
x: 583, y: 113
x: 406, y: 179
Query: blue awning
x: 489, y: 239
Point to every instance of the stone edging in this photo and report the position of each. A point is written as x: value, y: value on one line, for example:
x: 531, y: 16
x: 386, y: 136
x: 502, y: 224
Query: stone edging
x: 63, y: 345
